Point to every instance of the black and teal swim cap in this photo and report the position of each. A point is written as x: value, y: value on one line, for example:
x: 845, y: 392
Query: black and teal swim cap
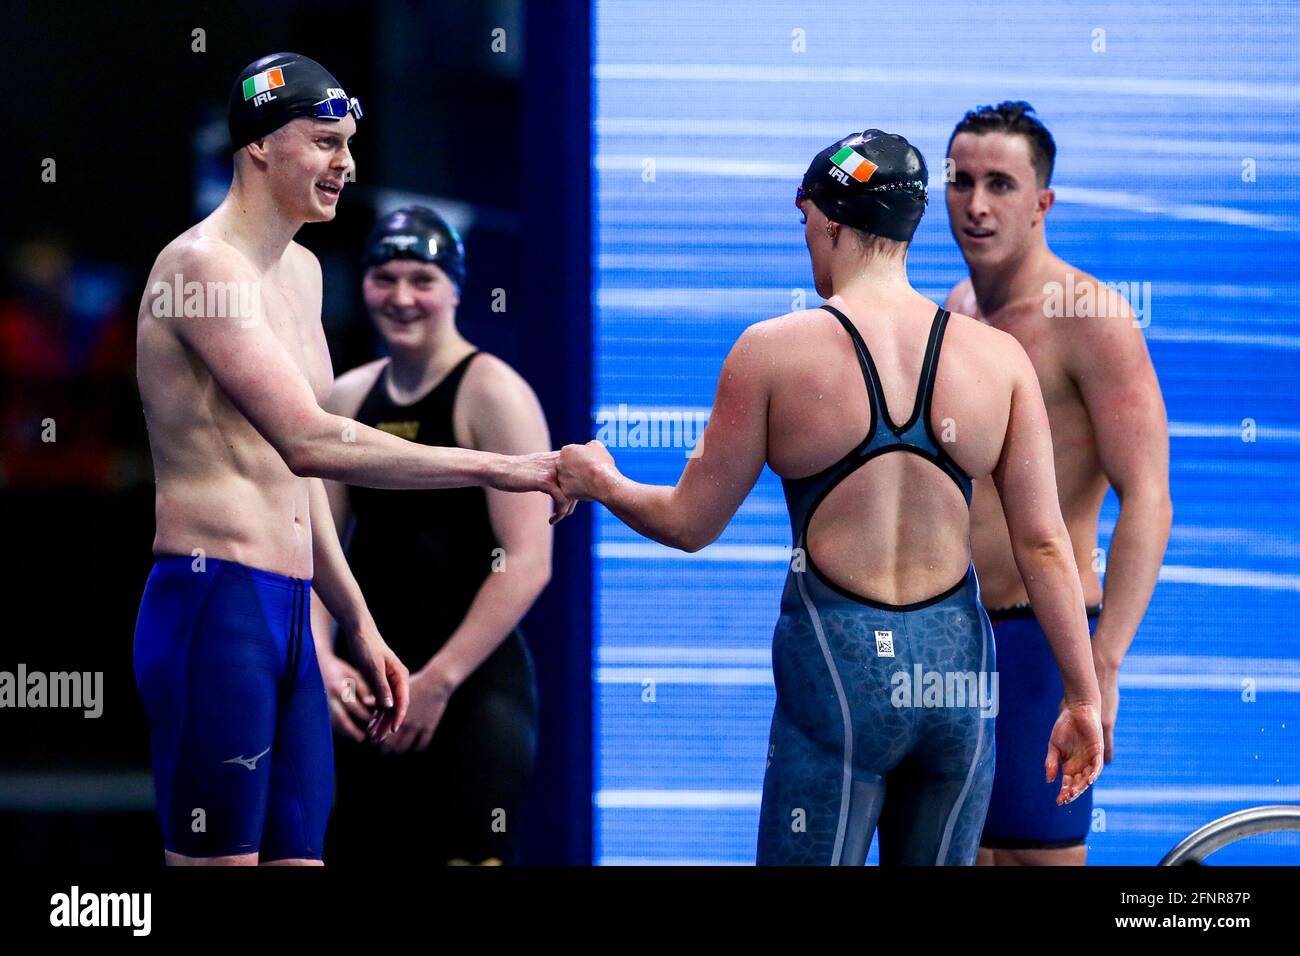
x: 417, y: 232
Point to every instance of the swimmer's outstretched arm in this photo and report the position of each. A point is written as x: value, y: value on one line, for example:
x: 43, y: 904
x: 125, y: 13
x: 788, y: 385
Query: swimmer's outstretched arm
x: 1025, y: 477
x: 262, y: 381
x: 716, y: 480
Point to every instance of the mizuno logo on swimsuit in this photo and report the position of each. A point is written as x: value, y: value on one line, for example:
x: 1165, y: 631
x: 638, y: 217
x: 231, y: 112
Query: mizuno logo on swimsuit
x: 249, y: 762
x: 922, y: 688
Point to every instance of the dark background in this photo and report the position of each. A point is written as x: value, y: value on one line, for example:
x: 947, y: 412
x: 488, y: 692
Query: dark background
x: 134, y: 119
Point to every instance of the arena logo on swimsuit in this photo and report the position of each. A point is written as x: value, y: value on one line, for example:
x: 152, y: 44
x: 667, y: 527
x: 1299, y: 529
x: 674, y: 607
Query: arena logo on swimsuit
x: 923, y: 688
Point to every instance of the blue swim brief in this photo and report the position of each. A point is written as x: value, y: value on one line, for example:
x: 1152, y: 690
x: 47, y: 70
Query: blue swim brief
x: 239, y: 723
x: 1022, y: 809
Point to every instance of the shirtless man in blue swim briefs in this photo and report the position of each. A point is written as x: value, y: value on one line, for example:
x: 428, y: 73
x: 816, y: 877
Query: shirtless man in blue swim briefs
x: 233, y: 368
x: 1109, y: 430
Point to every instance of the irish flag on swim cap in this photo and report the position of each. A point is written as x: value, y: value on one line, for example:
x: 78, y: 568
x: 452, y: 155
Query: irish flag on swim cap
x: 266, y: 80
x: 854, y: 163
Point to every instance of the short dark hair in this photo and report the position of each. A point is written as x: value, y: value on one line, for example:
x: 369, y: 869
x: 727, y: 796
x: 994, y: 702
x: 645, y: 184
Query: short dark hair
x: 1015, y: 118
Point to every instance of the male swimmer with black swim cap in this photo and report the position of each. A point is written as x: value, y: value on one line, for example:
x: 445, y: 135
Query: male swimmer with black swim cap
x: 448, y: 574
x: 1109, y: 430
x: 880, y: 603
x: 233, y: 370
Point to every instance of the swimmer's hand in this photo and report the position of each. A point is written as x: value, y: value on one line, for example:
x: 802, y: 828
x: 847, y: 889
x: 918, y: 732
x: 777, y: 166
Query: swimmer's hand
x: 430, y: 692
x: 387, y: 675
x: 536, y: 472
x: 586, y: 470
x: 1075, y: 748
x: 351, y: 702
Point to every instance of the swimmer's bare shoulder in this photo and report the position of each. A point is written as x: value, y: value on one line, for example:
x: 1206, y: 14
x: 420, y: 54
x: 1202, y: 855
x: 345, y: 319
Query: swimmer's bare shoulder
x: 783, y: 331
x: 1103, y: 349
x: 790, y: 323
x: 983, y: 372
x: 306, y: 274
x: 492, y: 387
x: 242, y: 353
x: 990, y: 351
x: 193, y: 256
x: 199, y: 253
x: 1094, y: 303
x: 497, y: 410
x: 990, y: 345
x: 168, y: 376
x: 777, y: 345
x: 962, y: 298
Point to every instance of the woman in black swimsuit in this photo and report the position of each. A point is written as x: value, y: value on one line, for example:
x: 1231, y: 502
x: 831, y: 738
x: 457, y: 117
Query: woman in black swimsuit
x: 447, y: 575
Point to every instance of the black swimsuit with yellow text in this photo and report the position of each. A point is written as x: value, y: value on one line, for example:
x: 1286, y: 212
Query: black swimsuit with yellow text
x: 420, y: 558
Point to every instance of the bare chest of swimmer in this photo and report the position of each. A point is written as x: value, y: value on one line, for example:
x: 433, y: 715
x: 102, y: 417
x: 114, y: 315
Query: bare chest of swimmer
x: 285, y: 310
x: 1042, y: 339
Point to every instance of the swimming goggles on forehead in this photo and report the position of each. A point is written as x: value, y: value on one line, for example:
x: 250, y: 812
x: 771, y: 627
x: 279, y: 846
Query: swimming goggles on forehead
x: 337, y: 107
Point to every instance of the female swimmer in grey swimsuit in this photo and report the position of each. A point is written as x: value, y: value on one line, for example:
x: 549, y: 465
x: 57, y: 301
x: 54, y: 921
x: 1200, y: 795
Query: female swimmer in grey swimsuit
x: 885, y: 669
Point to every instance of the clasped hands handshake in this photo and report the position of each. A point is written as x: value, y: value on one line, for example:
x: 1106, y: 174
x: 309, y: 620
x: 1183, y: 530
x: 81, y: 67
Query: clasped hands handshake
x: 407, y: 709
x: 576, y: 473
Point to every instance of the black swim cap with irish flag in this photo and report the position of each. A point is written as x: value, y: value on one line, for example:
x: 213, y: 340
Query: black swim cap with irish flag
x: 281, y: 87
x: 873, y: 181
